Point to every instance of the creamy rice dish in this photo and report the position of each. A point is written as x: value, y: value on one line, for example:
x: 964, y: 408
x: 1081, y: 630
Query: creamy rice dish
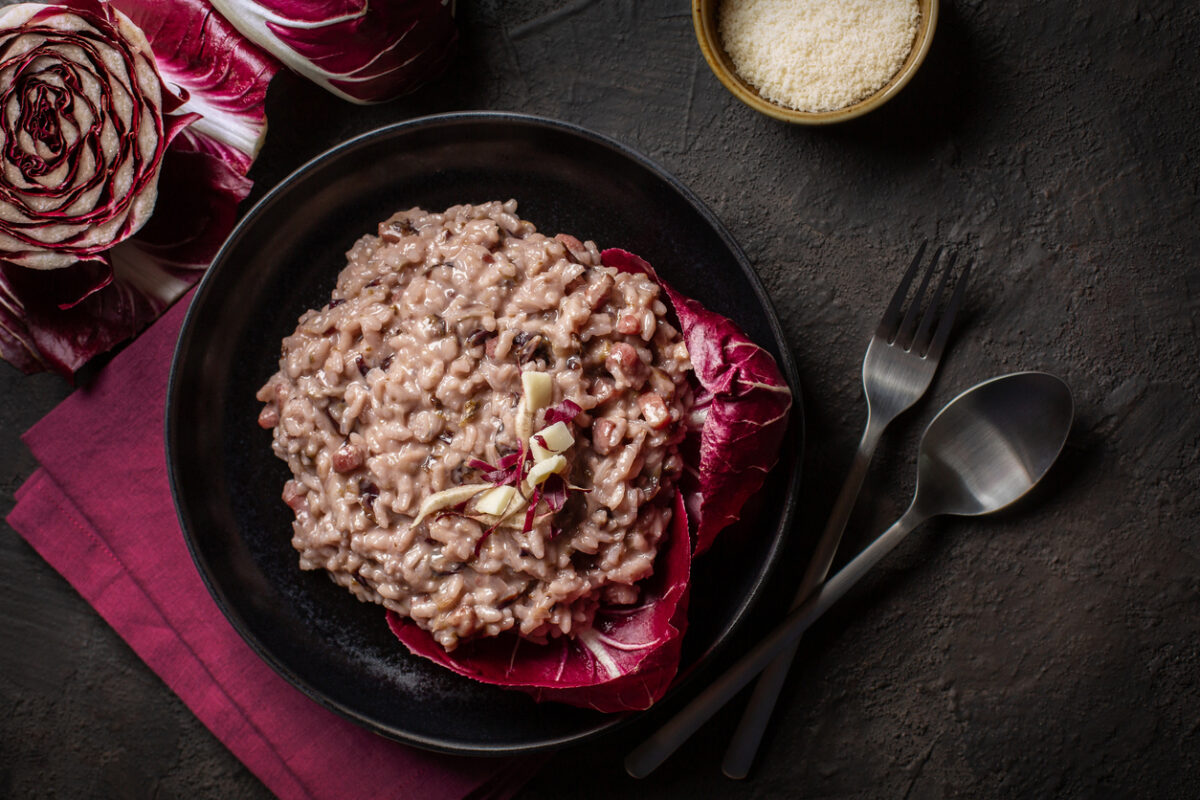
x: 482, y: 425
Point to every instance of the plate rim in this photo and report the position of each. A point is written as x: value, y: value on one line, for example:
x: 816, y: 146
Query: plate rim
x: 794, y: 435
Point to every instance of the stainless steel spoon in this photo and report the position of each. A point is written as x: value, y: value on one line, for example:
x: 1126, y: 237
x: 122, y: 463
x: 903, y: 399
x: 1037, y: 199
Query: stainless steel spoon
x: 983, y: 451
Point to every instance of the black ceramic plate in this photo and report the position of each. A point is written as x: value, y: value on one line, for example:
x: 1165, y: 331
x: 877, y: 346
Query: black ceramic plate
x: 284, y: 258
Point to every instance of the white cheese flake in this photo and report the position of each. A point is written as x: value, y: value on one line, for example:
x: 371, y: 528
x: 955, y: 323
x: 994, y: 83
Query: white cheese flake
x: 499, y: 501
x: 544, y: 469
x: 539, y: 389
x: 556, y: 438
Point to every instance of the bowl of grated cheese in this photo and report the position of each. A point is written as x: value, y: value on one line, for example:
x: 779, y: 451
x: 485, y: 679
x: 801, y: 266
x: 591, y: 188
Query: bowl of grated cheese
x: 814, y: 62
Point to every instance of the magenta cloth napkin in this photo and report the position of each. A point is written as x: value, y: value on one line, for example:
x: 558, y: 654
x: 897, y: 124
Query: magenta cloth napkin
x: 99, y: 510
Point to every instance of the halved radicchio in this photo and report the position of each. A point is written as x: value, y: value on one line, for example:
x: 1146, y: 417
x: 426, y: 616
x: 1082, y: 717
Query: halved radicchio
x: 82, y: 111
x: 126, y: 135
x: 629, y: 658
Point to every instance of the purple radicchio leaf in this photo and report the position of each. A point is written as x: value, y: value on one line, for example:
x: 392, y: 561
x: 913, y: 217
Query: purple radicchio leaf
x: 527, y: 526
x: 742, y: 408
x: 565, y: 411
x: 362, y: 51
x: 625, y: 662
x: 508, y: 471
x: 220, y: 75
x: 554, y: 492
x: 42, y: 328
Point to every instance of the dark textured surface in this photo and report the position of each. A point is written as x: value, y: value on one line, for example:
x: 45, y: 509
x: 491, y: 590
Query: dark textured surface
x: 1052, y: 651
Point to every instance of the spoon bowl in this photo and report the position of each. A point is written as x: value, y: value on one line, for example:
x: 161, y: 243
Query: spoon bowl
x: 992, y: 444
x: 981, y: 453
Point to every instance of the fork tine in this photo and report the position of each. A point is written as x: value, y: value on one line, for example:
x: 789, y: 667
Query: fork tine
x: 921, y: 340
x: 891, y: 318
x: 905, y: 336
x: 943, y: 329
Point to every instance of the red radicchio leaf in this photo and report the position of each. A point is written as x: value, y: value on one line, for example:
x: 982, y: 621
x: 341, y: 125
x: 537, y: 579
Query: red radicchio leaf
x: 508, y: 471
x: 744, y: 401
x: 189, y: 225
x: 363, y: 51
x: 531, y: 511
x: 74, y: 284
x: 565, y: 411
x: 483, y: 538
x: 37, y: 333
x: 554, y: 492
x: 223, y: 77
x: 624, y: 663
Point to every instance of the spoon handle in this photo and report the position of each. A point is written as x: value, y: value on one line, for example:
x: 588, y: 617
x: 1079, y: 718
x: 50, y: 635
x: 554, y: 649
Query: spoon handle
x: 656, y: 749
x: 746, y: 739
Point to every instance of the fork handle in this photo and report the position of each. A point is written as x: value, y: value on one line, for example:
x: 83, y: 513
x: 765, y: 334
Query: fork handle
x: 739, y: 757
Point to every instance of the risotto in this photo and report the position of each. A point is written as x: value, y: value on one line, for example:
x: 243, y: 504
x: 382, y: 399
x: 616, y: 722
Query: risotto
x: 482, y: 425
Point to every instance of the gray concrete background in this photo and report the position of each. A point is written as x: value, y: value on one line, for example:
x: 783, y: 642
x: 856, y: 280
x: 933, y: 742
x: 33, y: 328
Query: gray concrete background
x: 1053, y: 651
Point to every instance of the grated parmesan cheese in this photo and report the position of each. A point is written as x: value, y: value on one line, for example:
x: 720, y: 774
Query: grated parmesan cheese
x: 817, y: 55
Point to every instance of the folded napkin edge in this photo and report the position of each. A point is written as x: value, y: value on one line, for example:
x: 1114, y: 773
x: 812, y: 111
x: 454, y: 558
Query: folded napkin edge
x: 40, y: 499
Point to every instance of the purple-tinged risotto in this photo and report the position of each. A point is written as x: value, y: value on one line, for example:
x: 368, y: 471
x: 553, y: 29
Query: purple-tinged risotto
x: 482, y: 426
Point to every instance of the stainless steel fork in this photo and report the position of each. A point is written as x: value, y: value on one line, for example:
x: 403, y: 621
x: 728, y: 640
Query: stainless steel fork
x: 899, y: 366
x: 901, y: 359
